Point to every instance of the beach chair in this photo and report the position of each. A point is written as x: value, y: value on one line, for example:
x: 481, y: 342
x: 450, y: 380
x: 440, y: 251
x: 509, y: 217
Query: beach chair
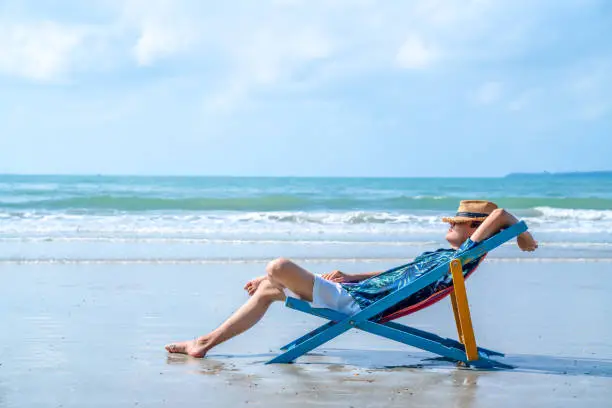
x: 372, y: 320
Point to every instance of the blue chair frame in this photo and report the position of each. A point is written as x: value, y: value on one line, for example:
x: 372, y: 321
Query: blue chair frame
x: 365, y: 319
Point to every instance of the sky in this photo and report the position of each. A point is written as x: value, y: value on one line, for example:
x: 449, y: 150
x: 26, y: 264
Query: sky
x: 305, y: 88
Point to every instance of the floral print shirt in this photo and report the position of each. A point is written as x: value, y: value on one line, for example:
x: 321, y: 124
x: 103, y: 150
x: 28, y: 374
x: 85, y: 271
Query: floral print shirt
x: 375, y: 288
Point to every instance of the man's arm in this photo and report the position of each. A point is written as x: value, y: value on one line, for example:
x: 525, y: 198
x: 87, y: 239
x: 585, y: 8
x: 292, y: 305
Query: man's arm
x: 340, y: 277
x: 364, y: 275
x: 498, y: 220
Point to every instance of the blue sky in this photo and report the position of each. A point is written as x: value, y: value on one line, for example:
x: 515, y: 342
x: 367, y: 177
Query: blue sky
x: 305, y: 88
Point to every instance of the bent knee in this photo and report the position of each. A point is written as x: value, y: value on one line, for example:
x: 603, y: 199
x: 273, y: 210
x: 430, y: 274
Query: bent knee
x: 276, y: 268
x: 267, y: 292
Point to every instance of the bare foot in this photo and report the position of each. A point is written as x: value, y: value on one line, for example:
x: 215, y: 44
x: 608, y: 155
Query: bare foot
x: 252, y: 285
x: 193, y: 348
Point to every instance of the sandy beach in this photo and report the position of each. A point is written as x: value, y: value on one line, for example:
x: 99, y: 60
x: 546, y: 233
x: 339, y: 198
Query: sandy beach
x: 93, y: 335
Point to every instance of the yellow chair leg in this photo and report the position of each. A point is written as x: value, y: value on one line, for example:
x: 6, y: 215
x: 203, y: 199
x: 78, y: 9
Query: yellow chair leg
x: 463, y: 311
x: 456, y: 313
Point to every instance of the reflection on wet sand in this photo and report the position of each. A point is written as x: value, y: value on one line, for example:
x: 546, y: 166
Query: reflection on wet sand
x: 337, y: 375
x: 329, y: 378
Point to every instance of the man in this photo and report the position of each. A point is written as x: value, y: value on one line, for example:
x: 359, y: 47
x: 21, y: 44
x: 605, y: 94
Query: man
x: 474, y: 222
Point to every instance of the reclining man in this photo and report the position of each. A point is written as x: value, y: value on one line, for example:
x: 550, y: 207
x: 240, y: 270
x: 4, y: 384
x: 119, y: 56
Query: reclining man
x: 474, y: 222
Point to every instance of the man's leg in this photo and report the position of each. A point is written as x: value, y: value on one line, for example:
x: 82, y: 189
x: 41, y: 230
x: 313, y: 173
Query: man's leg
x: 281, y: 273
x: 285, y: 274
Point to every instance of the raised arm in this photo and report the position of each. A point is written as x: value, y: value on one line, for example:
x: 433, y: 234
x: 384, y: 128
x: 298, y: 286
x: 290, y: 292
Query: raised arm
x: 498, y: 220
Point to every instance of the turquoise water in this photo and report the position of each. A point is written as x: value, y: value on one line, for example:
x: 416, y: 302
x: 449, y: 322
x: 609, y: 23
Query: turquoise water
x: 132, y: 194
x: 566, y: 212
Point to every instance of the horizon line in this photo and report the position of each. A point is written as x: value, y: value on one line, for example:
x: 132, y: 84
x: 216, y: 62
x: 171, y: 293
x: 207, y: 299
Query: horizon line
x: 221, y: 176
x: 541, y: 173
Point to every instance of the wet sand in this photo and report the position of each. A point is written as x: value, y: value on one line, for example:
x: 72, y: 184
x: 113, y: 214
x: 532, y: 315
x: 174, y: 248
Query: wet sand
x: 92, y: 335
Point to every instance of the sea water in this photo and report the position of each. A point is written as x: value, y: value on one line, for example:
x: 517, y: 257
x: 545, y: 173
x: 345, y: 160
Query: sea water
x: 209, y: 219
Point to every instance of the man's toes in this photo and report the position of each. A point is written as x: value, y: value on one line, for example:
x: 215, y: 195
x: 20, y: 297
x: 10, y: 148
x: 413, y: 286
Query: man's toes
x: 174, y: 348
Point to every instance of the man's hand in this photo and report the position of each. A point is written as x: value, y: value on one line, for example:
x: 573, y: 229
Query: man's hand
x: 526, y: 242
x: 338, y: 276
x: 252, y: 285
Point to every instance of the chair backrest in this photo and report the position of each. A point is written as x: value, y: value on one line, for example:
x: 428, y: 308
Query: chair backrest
x: 432, y: 299
x: 470, y: 255
x: 479, y: 251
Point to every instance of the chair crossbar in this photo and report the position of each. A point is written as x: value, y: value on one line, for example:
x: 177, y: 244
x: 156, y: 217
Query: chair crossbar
x: 410, y: 336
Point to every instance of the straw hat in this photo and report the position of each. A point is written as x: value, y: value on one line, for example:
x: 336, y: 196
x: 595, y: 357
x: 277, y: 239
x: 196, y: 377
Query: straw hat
x: 472, y: 210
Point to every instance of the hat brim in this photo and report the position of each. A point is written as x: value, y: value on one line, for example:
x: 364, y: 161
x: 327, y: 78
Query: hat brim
x: 463, y: 219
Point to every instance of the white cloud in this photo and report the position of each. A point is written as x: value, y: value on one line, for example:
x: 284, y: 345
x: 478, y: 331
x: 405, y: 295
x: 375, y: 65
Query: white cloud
x: 267, y: 56
x: 415, y: 54
x: 225, y: 100
x: 156, y: 42
x: 267, y: 59
x: 242, y: 48
x: 164, y: 28
x: 524, y: 99
x: 595, y: 110
x: 274, y: 38
x: 589, y: 88
x: 488, y: 93
x: 41, y: 51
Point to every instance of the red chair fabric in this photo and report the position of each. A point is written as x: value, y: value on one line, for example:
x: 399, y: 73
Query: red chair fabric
x: 434, y: 298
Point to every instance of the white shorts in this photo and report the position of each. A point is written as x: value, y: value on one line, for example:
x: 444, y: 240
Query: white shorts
x: 330, y: 295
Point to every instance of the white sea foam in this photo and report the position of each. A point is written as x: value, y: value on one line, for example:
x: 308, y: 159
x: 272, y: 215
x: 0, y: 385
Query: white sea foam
x: 195, y: 261
x: 556, y: 214
x: 178, y: 240
x: 558, y: 224
x: 199, y: 237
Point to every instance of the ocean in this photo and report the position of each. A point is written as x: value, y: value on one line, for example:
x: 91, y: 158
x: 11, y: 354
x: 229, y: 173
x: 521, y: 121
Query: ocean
x: 232, y: 219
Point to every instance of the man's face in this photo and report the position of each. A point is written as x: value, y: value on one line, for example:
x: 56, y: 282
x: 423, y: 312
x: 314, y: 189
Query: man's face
x: 458, y: 233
